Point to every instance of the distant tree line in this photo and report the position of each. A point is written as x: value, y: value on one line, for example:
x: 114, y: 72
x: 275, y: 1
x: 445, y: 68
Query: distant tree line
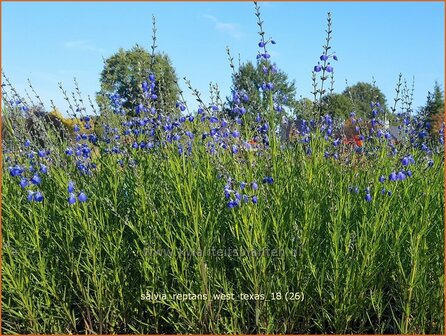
x: 127, y: 72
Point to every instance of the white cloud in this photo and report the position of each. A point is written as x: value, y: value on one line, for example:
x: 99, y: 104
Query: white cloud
x: 82, y: 45
x: 231, y: 29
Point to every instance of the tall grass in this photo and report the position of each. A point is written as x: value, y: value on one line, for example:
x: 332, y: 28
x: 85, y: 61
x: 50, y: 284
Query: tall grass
x: 368, y: 267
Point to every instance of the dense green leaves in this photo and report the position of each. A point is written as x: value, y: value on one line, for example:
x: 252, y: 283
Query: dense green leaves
x: 157, y: 228
x: 125, y: 71
x: 250, y: 77
x: 433, y: 111
x: 355, y: 98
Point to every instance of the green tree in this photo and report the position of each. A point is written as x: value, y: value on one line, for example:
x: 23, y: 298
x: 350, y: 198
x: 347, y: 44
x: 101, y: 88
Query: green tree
x: 361, y: 95
x: 433, y: 107
x: 338, y: 105
x: 249, y: 79
x: 125, y: 71
x: 304, y: 109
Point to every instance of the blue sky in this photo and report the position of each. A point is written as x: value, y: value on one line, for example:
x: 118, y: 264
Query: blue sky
x: 51, y: 42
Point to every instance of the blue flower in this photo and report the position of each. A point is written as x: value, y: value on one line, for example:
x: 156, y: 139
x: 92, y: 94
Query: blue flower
x: 317, y: 68
x: 234, y: 149
x: 405, y: 161
x: 232, y: 204
x: 227, y: 192
x: 254, y: 186
x: 140, y: 108
x: 15, y: 171
x: 70, y: 187
x: 254, y: 199
x: 82, y: 197
x: 35, y: 180
x: 323, y: 57
x: 71, y: 199
x: 180, y: 106
x: 43, y: 168
x: 258, y: 119
x: 393, y: 176
x: 145, y: 86
x: 38, y: 197
x: 268, y: 179
x: 24, y: 183
x: 327, y: 119
x: 382, y: 179
x: 368, y: 197
x: 30, y: 196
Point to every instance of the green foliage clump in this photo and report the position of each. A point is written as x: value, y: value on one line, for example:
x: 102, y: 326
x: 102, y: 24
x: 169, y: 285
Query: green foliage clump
x: 249, y: 79
x: 432, y: 112
x: 124, y: 73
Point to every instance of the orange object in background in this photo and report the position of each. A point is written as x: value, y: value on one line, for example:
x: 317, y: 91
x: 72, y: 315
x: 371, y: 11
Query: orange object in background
x: 355, y: 140
x: 358, y: 141
x: 252, y: 141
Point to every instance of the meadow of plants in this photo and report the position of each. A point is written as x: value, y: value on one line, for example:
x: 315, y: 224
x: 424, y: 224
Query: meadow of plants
x: 209, y: 222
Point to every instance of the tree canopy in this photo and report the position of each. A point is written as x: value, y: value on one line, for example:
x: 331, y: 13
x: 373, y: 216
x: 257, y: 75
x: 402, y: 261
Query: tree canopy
x: 432, y: 111
x: 338, y: 105
x: 124, y: 73
x: 361, y: 95
x: 356, y: 98
x: 249, y: 80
